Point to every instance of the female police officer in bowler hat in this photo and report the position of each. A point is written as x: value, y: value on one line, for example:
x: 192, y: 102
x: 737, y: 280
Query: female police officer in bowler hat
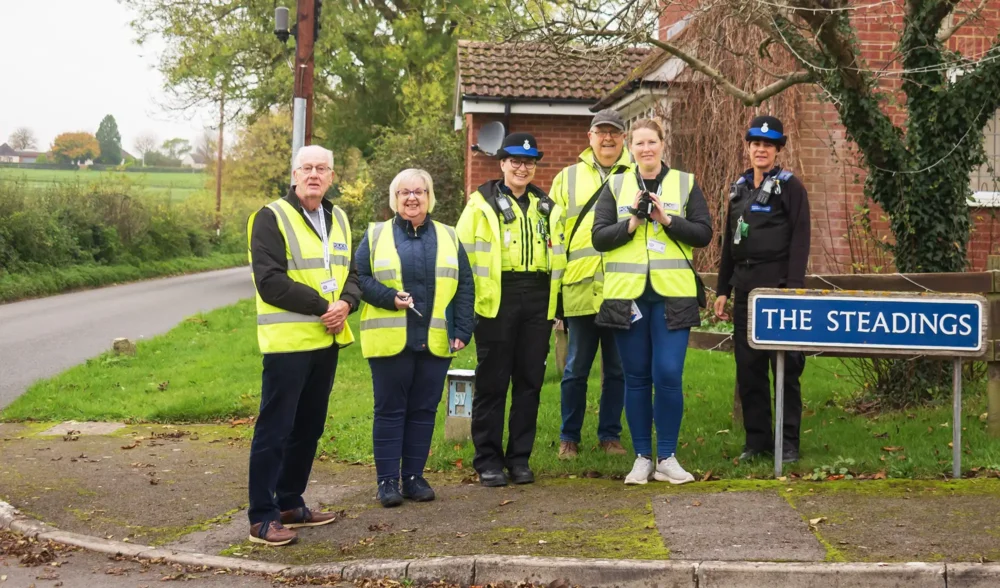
x: 766, y: 245
x: 512, y: 232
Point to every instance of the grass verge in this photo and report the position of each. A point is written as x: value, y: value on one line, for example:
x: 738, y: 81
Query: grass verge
x: 54, y: 281
x: 208, y: 368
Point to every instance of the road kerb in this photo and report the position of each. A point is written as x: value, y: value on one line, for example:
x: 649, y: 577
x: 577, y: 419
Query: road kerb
x: 728, y: 574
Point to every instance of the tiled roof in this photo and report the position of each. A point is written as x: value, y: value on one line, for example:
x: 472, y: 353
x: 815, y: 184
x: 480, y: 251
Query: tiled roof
x: 538, y: 71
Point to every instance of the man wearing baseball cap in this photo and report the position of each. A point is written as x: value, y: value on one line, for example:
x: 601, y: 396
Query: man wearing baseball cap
x: 576, y: 189
x: 513, y: 234
x: 766, y: 245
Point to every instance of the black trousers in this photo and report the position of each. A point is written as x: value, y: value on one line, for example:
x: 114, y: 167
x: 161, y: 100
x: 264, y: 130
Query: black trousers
x: 511, y: 349
x: 753, y: 369
x: 295, y: 391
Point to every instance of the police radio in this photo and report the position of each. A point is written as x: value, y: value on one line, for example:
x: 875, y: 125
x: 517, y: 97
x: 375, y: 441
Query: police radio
x: 503, y: 203
x: 545, y: 206
x: 766, y: 189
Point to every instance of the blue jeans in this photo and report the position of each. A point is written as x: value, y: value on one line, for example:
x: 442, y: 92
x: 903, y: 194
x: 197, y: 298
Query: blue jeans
x: 584, y: 337
x: 408, y: 389
x: 653, y: 356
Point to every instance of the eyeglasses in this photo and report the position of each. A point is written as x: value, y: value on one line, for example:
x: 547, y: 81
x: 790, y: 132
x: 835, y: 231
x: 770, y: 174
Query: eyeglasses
x: 525, y: 163
x: 320, y: 169
x: 611, y: 134
x: 419, y: 192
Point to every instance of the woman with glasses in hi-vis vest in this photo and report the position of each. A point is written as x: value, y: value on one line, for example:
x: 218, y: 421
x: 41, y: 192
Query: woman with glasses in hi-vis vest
x: 648, y: 221
x: 417, y: 286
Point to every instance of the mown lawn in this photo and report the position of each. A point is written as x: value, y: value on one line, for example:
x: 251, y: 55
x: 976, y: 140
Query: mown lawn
x: 208, y: 368
x: 177, y: 185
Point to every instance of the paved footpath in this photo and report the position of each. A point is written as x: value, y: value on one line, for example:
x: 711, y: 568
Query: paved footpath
x: 40, y: 338
x: 180, y: 492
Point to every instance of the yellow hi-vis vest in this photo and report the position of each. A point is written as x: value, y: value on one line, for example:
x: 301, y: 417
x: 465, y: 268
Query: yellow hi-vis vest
x: 490, y: 253
x: 383, y: 332
x: 583, y: 282
x: 650, y: 251
x: 281, y: 331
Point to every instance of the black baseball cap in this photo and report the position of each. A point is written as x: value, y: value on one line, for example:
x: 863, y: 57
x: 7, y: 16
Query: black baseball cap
x: 519, y: 145
x: 766, y: 128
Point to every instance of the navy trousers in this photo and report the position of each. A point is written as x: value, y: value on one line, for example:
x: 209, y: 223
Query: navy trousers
x: 295, y: 392
x: 408, y: 388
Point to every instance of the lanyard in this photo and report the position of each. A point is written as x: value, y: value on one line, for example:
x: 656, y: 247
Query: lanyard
x: 323, y: 236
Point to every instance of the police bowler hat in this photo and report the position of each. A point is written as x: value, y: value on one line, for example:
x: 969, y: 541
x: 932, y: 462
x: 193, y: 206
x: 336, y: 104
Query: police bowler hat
x: 766, y: 128
x: 519, y: 145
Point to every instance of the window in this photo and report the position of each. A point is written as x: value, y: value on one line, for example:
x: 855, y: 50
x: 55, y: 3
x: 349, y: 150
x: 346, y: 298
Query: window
x: 985, y: 181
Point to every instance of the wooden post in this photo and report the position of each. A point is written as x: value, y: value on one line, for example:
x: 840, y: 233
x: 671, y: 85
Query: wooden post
x: 993, y: 360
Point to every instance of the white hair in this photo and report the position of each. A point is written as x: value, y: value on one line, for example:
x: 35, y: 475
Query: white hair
x: 409, y: 174
x: 313, y: 150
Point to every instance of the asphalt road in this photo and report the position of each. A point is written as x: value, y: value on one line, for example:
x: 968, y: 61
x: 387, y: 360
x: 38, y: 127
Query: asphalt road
x: 40, y: 338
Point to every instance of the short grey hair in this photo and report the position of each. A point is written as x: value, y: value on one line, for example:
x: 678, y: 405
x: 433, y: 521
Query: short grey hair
x: 409, y: 174
x: 310, y: 150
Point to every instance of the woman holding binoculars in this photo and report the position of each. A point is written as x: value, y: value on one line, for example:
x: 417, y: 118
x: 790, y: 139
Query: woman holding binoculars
x: 647, y: 221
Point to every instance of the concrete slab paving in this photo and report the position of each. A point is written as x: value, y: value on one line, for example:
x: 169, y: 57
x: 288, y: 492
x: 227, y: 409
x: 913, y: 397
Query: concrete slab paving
x: 83, y: 428
x: 734, y: 526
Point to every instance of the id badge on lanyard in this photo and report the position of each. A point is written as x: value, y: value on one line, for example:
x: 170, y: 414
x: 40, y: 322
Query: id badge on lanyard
x: 329, y: 285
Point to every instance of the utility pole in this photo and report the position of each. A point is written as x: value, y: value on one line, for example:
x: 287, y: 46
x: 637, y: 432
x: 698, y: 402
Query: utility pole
x: 218, y: 161
x: 304, y: 31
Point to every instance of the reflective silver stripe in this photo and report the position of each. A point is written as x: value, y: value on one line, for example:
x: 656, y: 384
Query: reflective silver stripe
x: 558, y: 274
x: 574, y: 207
x: 559, y: 249
x: 451, y: 233
x: 667, y: 264
x: 383, y: 275
x: 341, y: 260
x: 616, y: 184
x: 341, y: 220
x: 438, y: 323
x: 276, y: 318
x: 685, y: 189
x: 384, y: 323
x: 581, y: 253
x: 376, y: 233
x: 598, y: 277
x: 624, y: 268
x: 483, y: 246
x: 446, y: 272
x: 481, y: 271
x: 293, y: 241
x: 311, y: 263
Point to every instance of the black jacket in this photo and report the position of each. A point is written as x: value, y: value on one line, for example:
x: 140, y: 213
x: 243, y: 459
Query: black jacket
x: 785, y: 271
x: 694, y: 229
x: 270, y: 266
x: 417, y: 249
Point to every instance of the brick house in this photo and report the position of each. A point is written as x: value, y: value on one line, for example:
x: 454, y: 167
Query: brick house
x: 824, y: 161
x: 10, y: 155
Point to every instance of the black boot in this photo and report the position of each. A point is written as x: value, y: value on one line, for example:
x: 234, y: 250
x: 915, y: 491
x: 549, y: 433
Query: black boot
x: 416, y: 488
x: 388, y: 493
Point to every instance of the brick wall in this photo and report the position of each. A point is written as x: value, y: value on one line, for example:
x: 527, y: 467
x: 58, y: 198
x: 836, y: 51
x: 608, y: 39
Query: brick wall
x: 560, y: 138
x: 827, y: 161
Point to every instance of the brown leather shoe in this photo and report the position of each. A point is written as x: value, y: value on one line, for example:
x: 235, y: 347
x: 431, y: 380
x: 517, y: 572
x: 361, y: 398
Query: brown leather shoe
x: 568, y: 449
x: 272, y: 533
x: 303, y: 517
x: 613, y: 447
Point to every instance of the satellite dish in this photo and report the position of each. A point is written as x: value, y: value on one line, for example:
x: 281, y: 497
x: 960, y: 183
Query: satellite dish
x: 489, y: 138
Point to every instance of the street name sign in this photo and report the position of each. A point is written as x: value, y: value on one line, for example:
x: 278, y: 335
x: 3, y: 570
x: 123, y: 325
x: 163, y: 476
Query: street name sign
x: 868, y: 323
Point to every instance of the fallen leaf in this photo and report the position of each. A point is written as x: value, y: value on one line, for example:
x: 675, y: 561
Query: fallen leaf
x: 506, y: 502
x: 458, y: 447
x: 458, y: 464
x: 892, y: 448
x: 880, y: 435
x: 163, y: 385
x: 131, y: 445
x: 817, y: 521
x: 707, y: 476
x: 542, y: 541
x: 722, y: 432
x: 695, y: 503
x: 460, y: 535
x: 879, y: 475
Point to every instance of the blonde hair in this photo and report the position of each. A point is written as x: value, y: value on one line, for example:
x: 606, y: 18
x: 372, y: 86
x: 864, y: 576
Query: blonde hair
x: 646, y: 123
x: 409, y: 174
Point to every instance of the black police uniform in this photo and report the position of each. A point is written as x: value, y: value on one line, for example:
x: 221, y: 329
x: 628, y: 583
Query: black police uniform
x: 766, y: 245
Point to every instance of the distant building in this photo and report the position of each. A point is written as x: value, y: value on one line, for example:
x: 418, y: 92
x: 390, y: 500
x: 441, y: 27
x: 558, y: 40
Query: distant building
x: 194, y: 160
x: 10, y: 155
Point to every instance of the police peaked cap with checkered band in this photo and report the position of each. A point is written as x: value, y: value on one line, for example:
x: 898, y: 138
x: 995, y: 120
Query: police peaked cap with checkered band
x: 766, y: 128
x: 519, y: 145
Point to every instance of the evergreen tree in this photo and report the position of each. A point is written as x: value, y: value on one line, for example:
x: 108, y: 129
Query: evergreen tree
x: 110, y: 141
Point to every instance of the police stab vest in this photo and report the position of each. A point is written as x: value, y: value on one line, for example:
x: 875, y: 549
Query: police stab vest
x: 383, y: 332
x: 651, y: 252
x: 490, y: 245
x: 769, y: 230
x: 281, y: 331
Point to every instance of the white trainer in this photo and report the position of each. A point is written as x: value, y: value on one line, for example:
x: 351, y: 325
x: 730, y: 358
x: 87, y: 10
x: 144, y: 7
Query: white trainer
x: 641, y: 470
x: 670, y: 470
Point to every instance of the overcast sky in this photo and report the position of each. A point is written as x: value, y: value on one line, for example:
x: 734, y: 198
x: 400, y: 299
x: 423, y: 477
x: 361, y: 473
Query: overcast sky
x: 65, y: 64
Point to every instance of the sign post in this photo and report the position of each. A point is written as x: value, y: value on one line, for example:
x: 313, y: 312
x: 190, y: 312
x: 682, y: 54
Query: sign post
x: 868, y: 324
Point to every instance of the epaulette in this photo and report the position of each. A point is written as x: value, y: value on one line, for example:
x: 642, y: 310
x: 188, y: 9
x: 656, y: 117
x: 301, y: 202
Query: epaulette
x: 784, y: 175
x: 741, y: 181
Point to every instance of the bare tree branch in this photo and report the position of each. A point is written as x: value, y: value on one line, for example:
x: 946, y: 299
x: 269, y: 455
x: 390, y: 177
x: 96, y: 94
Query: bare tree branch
x: 946, y: 34
x: 747, y: 98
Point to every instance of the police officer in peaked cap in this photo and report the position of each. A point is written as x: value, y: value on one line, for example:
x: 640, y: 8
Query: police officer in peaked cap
x: 513, y: 234
x: 766, y: 245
